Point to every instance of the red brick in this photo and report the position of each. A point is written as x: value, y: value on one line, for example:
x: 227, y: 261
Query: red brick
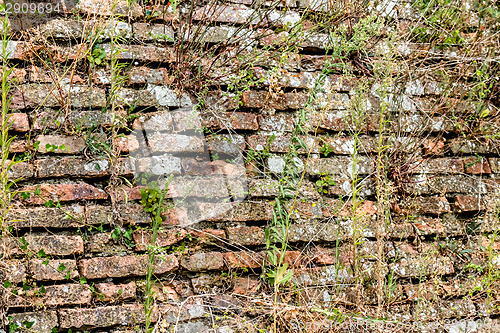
x: 54, y: 269
x: 203, y: 262
x: 97, y: 268
x: 476, y: 165
x: 125, y: 314
x: 142, y: 238
x: 58, y: 295
x: 469, y: 203
x: 125, y: 193
x: 208, y: 235
x: 115, y: 292
x: 18, y: 122
x: 63, y: 192
x: 434, y: 146
x: 72, y: 144
x: 243, y: 259
x: 246, y: 236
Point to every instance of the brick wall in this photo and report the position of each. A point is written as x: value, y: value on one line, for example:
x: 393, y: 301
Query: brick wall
x: 76, y: 238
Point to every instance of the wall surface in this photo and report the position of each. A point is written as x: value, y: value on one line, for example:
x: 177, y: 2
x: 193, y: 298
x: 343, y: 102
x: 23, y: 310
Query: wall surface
x: 332, y: 167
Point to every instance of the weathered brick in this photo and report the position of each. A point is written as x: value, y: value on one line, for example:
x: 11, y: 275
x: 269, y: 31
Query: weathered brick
x: 41, y: 217
x: 469, y: 203
x: 231, y: 120
x: 277, y: 122
x: 260, y: 99
x: 63, y: 29
x: 65, y: 144
x: 203, y: 262
x: 322, y: 276
x: 103, y: 243
x: 55, y: 245
x: 20, y: 170
x: 464, y: 146
x: 108, y: 7
x: 246, y: 285
x: 157, y: 121
x: 153, y: 32
x: 141, y: 52
x: 229, y: 14
x: 434, y: 146
x: 13, y: 271
x: 282, y: 143
x: 339, y: 165
x: 62, y: 192
x: 59, y: 167
x: 143, y: 75
x: 494, y: 163
x: 246, y: 235
x: 186, y: 186
x: 243, y: 259
x: 18, y: 122
x: 168, y: 237
x: 189, y: 311
x: 132, y: 97
x: 42, y: 321
x: 96, y: 268
x: 126, y: 314
x: 438, y: 165
x: 244, y: 211
x: 53, y: 270
x: 441, y: 184
x: 49, y: 95
x: 477, y: 165
x: 115, y: 292
x: 175, y: 143
x: 53, y: 119
x: 58, y: 295
x: 426, y: 205
x: 423, y: 266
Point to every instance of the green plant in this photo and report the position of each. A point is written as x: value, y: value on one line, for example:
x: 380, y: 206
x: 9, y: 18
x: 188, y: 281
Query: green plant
x: 153, y: 201
x: 6, y: 194
x: 324, y: 182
